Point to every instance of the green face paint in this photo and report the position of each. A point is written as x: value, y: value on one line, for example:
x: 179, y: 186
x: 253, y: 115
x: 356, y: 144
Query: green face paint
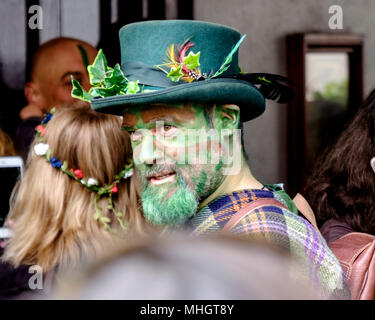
x: 169, y: 157
x: 84, y: 57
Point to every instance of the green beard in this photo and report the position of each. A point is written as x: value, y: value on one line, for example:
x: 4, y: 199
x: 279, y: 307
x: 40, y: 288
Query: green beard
x: 174, y: 210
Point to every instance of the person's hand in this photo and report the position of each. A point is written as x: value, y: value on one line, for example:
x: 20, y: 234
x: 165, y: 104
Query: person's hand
x: 10, y: 226
x: 3, y: 243
x: 29, y: 111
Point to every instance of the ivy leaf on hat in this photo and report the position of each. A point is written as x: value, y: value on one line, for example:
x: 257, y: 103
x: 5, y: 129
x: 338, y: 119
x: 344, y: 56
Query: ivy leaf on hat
x: 132, y: 87
x: 192, y: 61
x: 105, y: 92
x: 105, y: 81
x: 175, y: 74
x: 79, y: 93
x: 97, y: 71
x: 117, y: 78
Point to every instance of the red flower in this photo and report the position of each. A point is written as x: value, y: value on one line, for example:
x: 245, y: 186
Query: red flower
x: 41, y: 130
x: 78, y: 173
x: 114, y: 189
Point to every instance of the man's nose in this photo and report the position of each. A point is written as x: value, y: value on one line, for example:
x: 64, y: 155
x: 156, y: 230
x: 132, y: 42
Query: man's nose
x: 150, y: 153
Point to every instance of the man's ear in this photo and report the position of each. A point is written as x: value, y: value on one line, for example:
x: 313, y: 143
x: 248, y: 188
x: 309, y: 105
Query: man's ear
x: 32, y: 94
x: 226, y: 117
x: 372, y: 163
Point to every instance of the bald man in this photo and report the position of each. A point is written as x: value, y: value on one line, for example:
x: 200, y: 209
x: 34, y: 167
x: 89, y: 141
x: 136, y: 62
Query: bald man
x: 50, y: 86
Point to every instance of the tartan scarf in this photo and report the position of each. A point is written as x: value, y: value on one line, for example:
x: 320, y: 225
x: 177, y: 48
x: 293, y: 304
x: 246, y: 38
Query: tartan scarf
x: 279, y: 227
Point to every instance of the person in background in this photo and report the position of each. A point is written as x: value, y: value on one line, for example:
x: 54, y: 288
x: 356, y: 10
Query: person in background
x: 76, y: 197
x: 341, y: 190
x: 183, y: 268
x: 53, y: 64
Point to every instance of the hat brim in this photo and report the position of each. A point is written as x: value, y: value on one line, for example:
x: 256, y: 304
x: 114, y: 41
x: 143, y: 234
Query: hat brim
x: 223, y: 91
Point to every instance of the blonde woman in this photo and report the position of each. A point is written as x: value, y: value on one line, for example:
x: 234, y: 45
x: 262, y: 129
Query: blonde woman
x: 76, y: 195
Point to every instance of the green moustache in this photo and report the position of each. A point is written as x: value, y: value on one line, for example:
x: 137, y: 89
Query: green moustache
x: 174, y: 210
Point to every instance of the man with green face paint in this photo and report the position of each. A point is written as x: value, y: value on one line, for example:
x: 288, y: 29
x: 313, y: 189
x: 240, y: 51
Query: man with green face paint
x: 183, y: 101
x: 180, y: 151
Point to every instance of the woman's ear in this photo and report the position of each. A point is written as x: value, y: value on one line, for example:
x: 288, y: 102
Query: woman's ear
x: 226, y: 116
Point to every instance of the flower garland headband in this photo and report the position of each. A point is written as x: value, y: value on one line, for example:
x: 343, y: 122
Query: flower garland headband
x: 42, y: 149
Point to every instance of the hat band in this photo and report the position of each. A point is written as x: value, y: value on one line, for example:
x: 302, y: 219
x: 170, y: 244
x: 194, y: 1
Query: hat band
x: 146, y: 75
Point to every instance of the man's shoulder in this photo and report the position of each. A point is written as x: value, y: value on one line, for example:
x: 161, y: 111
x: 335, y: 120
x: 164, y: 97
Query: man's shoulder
x: 221, y: 210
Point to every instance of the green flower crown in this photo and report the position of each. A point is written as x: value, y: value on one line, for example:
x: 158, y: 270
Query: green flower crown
x: 42, y: 149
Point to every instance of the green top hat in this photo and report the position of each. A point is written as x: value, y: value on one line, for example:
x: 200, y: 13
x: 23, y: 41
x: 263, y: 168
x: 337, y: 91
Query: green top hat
x: 175, y: 61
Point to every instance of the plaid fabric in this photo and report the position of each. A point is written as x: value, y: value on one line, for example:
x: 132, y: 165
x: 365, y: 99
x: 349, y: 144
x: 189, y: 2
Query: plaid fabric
x: 281, y: 227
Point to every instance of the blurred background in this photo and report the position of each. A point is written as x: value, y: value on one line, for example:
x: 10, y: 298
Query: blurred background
x: 332, y: 68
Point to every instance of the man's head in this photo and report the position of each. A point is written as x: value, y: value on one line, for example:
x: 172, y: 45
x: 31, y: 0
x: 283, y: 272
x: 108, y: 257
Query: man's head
x: 52, y: 65
x: 180, y: 90
x: 181, y: 152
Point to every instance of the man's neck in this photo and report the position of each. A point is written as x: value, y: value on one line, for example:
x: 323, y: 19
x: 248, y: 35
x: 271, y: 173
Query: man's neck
x: 243, y: 180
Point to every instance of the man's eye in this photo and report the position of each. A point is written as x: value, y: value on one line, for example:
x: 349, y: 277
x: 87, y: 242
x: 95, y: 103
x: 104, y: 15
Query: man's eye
x: 168, y: 130
x: 168, y: 127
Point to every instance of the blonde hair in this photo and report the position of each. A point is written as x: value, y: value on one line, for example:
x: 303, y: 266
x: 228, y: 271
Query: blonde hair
x: 6, y: 145
x: 53, y: 214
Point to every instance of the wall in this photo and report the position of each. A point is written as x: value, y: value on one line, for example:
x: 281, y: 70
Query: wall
x: 12, y: 44
x: 71, y: 18
x: 266, y: 23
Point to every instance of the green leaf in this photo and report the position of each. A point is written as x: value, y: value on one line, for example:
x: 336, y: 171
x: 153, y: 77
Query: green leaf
x: 175, y: 74
x: 98, y: 69
x: 78, y: 92
x: 64, y: 167
x: 227, y: 61
x: 48, y: 154
x: 119, y: 214
x: 106, y: 92
x: 94, y: 93
x: 96, y: 76
x: 192, y: 61
x: 105, y: 219
x: 116, y: 78
x: 97, y: 215
x: 132, y: 87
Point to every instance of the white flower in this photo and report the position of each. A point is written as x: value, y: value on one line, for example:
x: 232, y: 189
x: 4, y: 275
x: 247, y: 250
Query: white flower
x: 128, y: 174
x: 92, y: 182
x: 41, y: 148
